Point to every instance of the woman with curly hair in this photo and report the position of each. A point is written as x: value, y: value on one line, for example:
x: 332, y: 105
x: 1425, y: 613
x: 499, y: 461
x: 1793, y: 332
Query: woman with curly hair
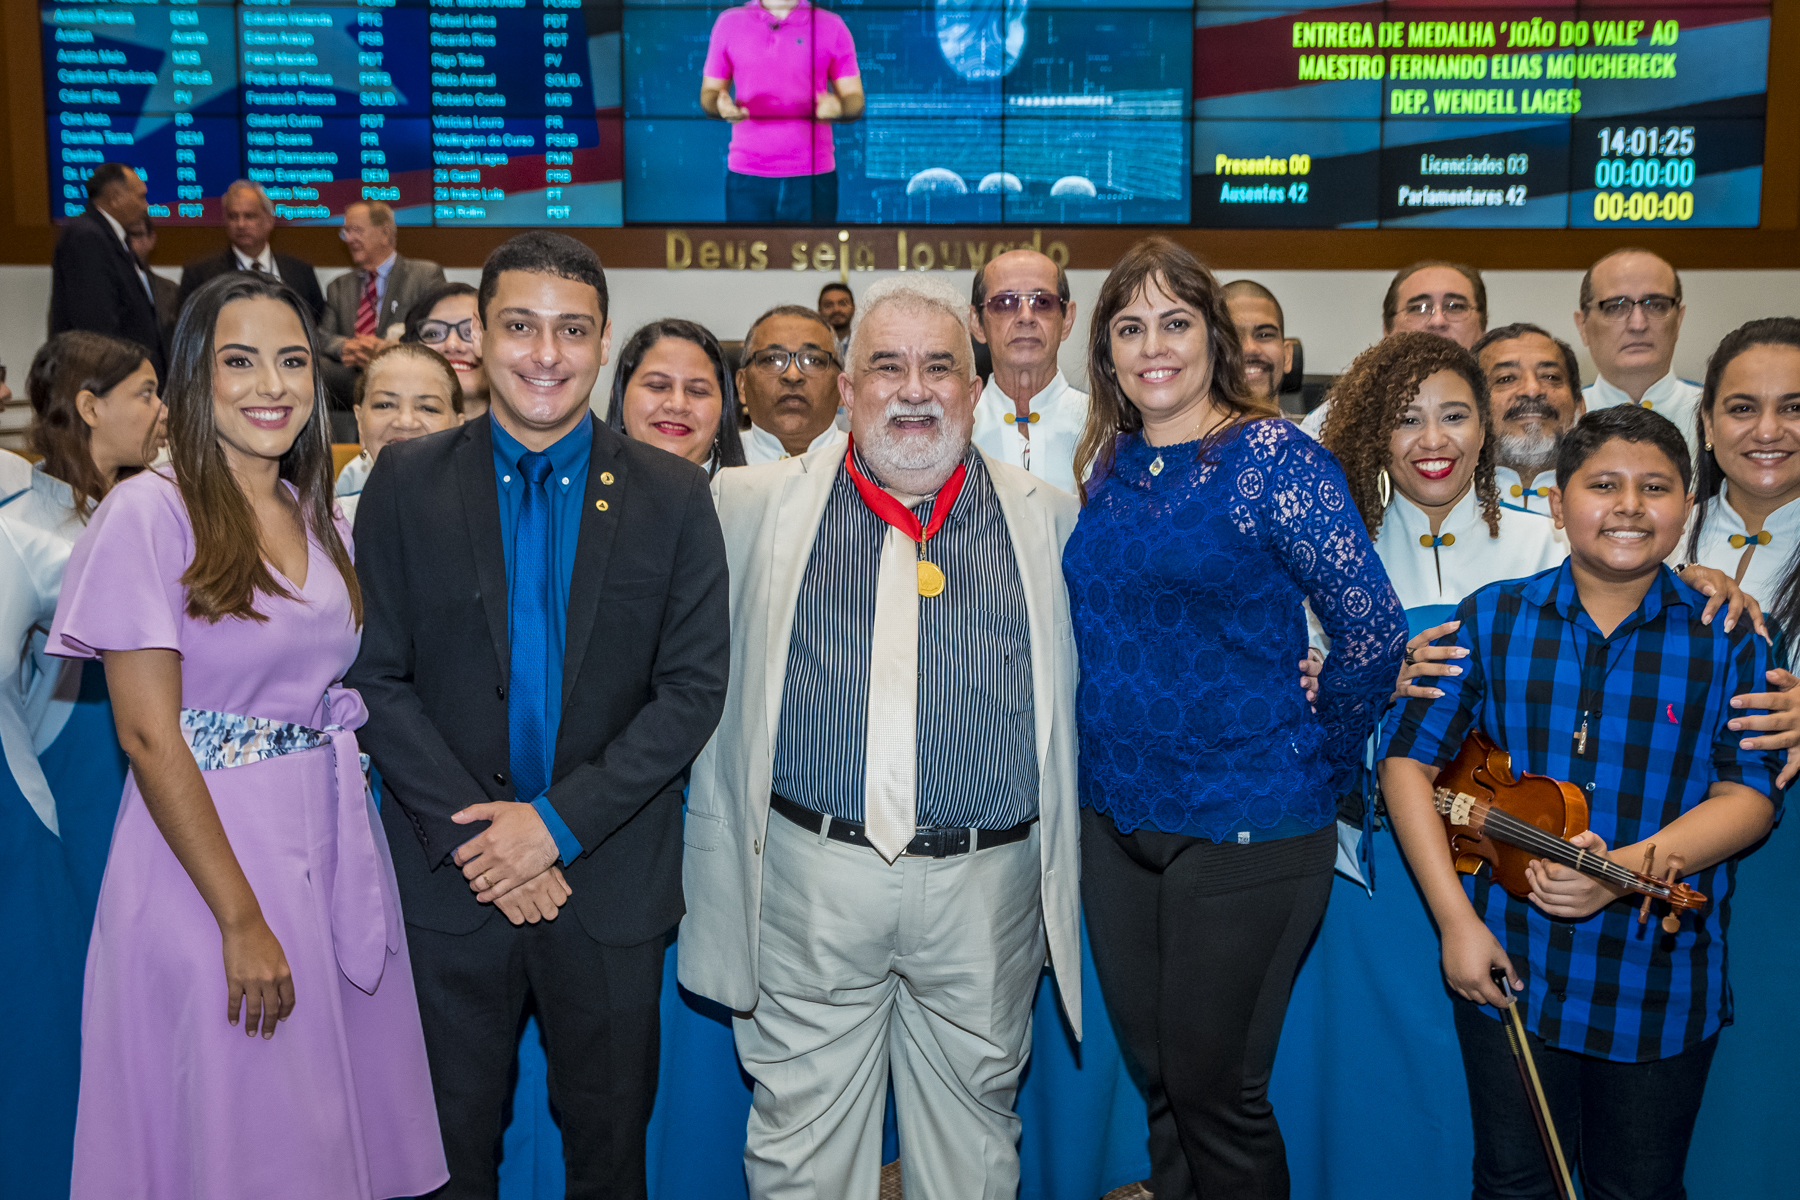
x: 1410, y: 424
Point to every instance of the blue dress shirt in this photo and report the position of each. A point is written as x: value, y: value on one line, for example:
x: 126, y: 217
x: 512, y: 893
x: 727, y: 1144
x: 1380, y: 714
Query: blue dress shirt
x: 568, y: 489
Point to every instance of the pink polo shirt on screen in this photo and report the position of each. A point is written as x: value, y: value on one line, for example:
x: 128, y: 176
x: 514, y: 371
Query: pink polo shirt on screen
x: 777, y: 68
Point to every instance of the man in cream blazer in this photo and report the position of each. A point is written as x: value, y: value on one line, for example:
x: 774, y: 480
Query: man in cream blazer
x: 881, y: 836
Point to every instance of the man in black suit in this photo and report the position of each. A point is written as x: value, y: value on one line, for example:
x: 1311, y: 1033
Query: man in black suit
x: 96, y: 282
x: 545, y: 650
x: 141, y: 238
x: 249, y: 219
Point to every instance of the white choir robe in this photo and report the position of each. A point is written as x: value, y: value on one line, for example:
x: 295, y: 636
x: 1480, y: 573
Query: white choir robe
x: 1676, y: 399
x: 1758, y: 568
x: 1516, y: 497
x: 761, y: 446
x: 1049, y: 453
x: 1468, y: 558
x: 48, y: 683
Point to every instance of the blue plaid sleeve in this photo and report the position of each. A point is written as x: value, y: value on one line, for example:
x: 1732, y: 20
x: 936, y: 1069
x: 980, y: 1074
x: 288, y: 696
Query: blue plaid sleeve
x: 1432, y: 731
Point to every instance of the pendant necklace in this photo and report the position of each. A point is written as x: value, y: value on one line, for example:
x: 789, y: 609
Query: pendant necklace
x: 1156, y: 465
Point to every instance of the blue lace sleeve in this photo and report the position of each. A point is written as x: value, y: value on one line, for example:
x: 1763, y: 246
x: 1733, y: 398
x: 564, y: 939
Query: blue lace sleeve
x: 1309, y: 518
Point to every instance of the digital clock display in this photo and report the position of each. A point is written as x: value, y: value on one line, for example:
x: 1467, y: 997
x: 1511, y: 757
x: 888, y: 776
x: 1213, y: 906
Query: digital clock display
x: 1216, y: 113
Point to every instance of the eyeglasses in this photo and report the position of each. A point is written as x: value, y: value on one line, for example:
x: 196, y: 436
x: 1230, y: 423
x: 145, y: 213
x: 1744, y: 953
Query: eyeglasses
x: 774, y: 360
x: 1618, y: 308
x: 1452, y: 308
x: 1005, y: 304
x: 345, y: 231
x: 433, y: 331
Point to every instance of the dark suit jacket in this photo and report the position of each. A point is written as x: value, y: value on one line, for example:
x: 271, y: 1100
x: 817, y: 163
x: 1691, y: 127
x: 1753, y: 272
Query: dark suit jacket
x: 168, y: 306
x: 644, y: 671
x: 410, y: 279
x: 297, y: 273
x: 94, y: 285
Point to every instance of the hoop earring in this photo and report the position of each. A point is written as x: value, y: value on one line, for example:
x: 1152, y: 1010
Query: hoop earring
x: 1384, y: 487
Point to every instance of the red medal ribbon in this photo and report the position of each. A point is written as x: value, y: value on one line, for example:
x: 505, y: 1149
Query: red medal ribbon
x: 897, y: 514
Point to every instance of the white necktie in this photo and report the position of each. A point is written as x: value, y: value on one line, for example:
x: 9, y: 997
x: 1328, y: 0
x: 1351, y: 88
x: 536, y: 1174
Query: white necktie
x: 891, y: 767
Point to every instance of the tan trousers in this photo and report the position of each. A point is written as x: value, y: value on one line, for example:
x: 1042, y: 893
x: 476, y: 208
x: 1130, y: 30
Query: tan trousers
x: 925, y: 969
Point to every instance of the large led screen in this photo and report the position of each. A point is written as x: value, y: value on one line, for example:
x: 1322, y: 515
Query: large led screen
x: 1216, y: 113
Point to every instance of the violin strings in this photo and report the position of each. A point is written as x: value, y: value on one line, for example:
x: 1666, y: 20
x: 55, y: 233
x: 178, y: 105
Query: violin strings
x: 1529, y: 837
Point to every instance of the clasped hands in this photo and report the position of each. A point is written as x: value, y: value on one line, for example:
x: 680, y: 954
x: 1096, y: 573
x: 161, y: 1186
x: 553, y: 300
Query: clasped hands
x: 360, y: 348
x: 512, y: 863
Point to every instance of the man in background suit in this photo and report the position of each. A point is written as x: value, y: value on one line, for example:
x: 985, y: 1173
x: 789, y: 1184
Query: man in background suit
x: 96, y: 282
x: 545, y: 650
x: 881, y: 838
x: 249, y: 219
x: 364, y: 306
x: 141, y: 238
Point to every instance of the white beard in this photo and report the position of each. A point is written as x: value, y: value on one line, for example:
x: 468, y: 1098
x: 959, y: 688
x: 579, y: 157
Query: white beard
x: 890, y: 453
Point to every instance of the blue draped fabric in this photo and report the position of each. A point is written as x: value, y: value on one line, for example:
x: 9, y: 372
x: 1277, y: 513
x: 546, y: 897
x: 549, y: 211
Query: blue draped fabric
x: 1368, y: 1082
x: 51, y: 888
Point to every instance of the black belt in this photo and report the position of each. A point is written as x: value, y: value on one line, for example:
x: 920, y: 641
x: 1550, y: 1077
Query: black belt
x: 938, y: 842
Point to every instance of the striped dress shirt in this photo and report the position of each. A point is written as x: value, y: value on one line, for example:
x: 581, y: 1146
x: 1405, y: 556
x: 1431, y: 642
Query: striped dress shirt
x: 977, y: 726
x: 1657, y: 694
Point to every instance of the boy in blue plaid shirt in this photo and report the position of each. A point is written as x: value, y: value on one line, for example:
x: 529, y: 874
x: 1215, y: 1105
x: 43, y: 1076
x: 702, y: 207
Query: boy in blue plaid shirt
x: 1599, y: 672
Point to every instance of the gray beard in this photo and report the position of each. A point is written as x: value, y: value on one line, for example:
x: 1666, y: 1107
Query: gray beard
x: 1526, y: 453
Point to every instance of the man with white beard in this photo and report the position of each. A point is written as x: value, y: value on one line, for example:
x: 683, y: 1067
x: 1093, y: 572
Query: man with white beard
x: 881, y: 836
x: 1534, y: 396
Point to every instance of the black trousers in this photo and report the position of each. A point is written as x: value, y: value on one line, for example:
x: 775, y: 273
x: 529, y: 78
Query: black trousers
x: 1624, y: 1127
x: 597, y: 1007
x: 1196, y: 945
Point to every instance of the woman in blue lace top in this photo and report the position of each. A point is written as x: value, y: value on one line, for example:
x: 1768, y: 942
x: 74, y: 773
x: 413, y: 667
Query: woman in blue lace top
x: 1208, y: 783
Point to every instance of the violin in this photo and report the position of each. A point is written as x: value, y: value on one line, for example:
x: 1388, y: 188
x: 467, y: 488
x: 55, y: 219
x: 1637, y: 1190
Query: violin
x: 1504, y: 822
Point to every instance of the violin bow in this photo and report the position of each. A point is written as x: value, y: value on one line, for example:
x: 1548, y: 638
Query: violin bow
x: 1534, y: 1090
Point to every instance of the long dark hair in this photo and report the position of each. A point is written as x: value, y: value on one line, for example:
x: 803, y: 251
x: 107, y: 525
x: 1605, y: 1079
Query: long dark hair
x: 228, y: 569
x: 1784, y: 605
x: 67, y: 365
x: 1368, y: 401
x: 1110, y: 412
x: 727, y: 443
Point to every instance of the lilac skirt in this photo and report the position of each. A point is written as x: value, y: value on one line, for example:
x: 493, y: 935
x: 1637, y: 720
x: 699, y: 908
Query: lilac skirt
x: 175, y: 1103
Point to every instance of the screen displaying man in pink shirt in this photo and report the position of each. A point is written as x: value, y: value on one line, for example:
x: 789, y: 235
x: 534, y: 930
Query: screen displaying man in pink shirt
x: 782, y: 72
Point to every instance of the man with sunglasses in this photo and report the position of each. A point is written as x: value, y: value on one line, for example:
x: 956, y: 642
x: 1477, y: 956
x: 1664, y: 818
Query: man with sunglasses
x: 1028, y: 415
x: 1629, y: 320
x: 789, y: 384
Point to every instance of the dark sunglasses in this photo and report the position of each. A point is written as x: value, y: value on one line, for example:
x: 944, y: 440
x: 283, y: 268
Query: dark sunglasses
x: 1005, y: 304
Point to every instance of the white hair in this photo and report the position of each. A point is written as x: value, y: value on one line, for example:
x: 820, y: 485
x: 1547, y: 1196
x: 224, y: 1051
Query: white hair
x: 915, y: 293
x: 250, y: 185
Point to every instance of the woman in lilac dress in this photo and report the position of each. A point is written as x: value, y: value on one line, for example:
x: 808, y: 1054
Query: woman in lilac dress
x: 247, y: 891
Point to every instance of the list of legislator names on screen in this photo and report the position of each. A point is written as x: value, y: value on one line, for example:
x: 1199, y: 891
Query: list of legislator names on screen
x: 1215, y: 113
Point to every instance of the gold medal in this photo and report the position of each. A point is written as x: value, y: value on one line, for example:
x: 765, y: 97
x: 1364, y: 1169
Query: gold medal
x: 931, y: 579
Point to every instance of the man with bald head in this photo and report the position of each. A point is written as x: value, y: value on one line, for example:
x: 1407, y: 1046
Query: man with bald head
x: 365, y: 308
x: 1028, y: 415
x: 1534, y: 395
x: 1629, y: 320
x: 1262, y: 333
x: 880, y: 839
